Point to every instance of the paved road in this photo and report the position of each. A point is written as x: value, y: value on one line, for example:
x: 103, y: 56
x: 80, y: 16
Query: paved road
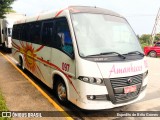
x: 21, y: 95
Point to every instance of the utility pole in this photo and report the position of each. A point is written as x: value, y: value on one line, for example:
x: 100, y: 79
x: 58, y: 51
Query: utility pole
x: 156, y: 28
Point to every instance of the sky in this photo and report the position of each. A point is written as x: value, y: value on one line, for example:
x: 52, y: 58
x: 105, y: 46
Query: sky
x: 141, y: 14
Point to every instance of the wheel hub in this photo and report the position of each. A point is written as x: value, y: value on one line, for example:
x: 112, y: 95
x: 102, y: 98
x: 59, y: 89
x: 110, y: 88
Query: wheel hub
x: 61, y: 92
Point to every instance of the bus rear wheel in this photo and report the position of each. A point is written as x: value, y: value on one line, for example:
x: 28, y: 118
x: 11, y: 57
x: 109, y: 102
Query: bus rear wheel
x: 21, y: 63
x: 61, y: 92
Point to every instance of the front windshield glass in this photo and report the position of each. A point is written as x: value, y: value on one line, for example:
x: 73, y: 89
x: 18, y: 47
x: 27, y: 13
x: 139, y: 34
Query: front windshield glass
x: 98, y: 33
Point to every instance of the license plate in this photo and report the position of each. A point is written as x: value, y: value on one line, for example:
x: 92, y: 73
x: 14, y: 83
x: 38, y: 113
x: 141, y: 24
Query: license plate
x: 130, y: 89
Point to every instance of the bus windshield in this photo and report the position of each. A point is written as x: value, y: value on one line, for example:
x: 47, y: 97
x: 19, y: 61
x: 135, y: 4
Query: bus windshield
x: 99, y: 33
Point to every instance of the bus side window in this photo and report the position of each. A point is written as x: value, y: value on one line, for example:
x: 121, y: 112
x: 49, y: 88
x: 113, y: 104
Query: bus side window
x: 35, y: 29
x: 14, y: 31
x: 48, y: 34
x: 19, y: 32
x: 25, y: 33
x: 64, y: 33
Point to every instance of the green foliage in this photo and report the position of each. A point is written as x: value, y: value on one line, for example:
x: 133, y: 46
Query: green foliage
x: 3, y: 107
x: 157, y: 38
x: 143, y: 45
x: 2, y: 103
x: 146, y: 39
x: 5, y: 6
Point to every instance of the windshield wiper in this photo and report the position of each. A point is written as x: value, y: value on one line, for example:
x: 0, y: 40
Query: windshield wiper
x: 107, y: 53
x: 136, y: 52
x: 92, y: 55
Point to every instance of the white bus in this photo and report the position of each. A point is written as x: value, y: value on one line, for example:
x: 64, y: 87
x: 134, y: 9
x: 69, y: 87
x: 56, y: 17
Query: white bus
x: 6, y: 28
x: 89, y: 56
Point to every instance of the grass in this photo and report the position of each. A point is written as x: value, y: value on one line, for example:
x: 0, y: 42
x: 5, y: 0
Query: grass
x: 3, y: 107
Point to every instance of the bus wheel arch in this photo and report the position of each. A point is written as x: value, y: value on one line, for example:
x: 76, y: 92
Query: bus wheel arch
x: 60, y: 89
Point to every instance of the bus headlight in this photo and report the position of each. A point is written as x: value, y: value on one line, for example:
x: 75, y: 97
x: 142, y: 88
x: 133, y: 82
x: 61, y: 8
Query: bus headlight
x: 91, y: 80
x: 98, y: 80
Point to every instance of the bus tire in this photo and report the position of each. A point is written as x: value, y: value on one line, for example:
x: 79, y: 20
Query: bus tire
x: 153, y: 54
x: 61, y: 91
x: 4, y: 47
x: 21, y: 63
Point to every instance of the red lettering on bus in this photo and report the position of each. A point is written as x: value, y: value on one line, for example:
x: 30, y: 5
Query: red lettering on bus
x: 65, y: 67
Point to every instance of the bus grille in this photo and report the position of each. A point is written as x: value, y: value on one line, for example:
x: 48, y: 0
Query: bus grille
x: 118, y: 85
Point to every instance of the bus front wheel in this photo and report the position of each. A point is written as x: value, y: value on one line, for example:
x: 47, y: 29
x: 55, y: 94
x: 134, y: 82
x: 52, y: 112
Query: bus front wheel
x: 61, y: 91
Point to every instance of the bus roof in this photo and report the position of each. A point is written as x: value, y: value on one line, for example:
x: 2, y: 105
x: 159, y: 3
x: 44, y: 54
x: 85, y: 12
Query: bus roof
x: 71, y: 9
x: 90, y: 9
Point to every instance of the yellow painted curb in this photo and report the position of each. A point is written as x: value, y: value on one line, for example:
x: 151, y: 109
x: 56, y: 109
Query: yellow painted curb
x: 39, y: 89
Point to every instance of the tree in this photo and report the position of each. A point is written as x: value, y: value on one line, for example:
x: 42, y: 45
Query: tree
x: 157, y: 37
x: 145, y: 40
x: 5, y: 6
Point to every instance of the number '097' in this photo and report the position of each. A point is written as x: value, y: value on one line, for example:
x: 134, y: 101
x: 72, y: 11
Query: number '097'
x: 65, y: 67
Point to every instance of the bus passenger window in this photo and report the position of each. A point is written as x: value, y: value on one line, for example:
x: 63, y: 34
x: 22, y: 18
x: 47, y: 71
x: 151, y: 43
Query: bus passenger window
x: 48, y: 34
x: 35, y: 29
x: 64, y: 33
x: 25, y: 33
x: 67, y: 43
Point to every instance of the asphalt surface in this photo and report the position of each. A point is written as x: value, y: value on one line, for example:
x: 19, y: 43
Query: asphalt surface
x: 21, y: 95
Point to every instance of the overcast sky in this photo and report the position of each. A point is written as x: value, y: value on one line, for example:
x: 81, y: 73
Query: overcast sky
x: 140, y: 14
